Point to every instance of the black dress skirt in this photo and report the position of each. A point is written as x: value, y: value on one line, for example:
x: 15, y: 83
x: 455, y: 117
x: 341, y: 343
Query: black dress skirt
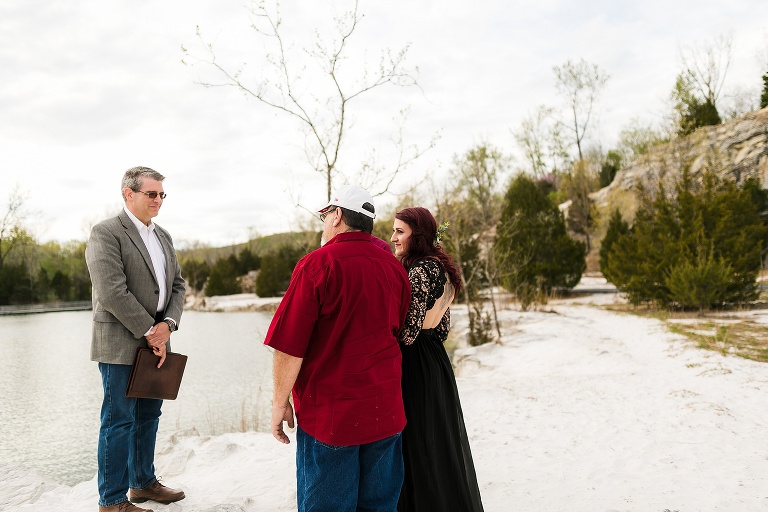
x: 439, y: 472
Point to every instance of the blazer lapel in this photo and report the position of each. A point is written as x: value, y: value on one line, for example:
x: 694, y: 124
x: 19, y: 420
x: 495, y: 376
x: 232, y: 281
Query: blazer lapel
x: 133, y: 234
x: 170, y: 272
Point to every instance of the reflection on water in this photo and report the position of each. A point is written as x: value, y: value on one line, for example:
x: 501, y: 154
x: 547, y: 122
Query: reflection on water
x: 50, y: 391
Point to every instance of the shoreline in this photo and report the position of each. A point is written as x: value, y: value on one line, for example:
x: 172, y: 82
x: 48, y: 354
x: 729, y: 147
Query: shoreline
x: 241, y: 302
x: 49, y: 307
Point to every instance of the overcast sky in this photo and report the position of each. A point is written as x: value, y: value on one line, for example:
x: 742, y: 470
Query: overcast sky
x: 91, y: 88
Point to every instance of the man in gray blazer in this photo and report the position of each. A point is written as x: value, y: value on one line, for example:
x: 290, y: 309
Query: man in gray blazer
x: 138, y: 296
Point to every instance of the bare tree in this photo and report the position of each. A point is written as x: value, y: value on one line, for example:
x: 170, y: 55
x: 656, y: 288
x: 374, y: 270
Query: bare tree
x: 531, y: 137
x: 582, y: 212
x: 322, y: 109
x: 12, y: 233
x: 542, y: 142
x: 473, y: 208
x: 637, y: 137
x: 379, y: 177
x: 706, y: 66
x: 580, y: 84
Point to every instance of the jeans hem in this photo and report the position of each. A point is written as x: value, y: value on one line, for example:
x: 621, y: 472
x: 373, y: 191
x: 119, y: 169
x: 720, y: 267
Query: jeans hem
x: 112, y: 504
x: 150, y: 484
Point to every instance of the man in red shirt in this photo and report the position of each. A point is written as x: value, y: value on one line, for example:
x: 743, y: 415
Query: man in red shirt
x: 336, y: 351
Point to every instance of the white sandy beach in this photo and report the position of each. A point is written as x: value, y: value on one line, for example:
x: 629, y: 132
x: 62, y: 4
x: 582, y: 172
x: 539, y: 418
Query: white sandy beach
x: 577, y: 409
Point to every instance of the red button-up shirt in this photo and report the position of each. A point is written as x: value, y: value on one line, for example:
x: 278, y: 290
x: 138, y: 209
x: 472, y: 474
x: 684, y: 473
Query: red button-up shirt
x: 342, y: 312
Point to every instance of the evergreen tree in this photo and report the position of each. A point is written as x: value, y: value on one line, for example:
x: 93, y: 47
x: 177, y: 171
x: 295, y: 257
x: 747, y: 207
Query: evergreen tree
x: 701, y: 282
x: 582, y: 213
x: 616, y: 228
x: 681, y: 246
x: 276, y: 269
x: 692, y: 112
x: 759, y: 197
x: 697, y: 115
x: 61, y: 285
x: 533, y: 251
x: 77, y: 270
x: 15, y: 284
x: 547, y: 185
x: 223, y: 278
x: 195, y: 272
x: 42, y: 287
x: 764, y: 96
x: 610, y: 166
x: 639, y: 274
x: 247, y: 261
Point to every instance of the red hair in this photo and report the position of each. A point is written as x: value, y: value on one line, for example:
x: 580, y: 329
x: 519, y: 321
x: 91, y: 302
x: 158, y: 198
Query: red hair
x: 422, y: 243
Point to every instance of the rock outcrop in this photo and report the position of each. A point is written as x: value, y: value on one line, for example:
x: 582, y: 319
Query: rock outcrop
x: 736, y: 150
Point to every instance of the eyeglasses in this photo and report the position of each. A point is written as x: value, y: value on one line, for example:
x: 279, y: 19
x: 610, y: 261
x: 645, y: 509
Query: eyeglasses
x: 152, y: 194
x: 325, y: 214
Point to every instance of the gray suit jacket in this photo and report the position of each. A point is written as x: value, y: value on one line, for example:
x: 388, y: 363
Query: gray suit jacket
x: 125, y: 288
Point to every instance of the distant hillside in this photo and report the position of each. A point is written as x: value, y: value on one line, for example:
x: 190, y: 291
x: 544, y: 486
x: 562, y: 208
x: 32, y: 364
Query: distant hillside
x: 737, y: 150
x: 258, y: 246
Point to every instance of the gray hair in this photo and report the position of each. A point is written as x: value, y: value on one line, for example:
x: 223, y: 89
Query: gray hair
x: 357, y: 221
x: 132, y: 178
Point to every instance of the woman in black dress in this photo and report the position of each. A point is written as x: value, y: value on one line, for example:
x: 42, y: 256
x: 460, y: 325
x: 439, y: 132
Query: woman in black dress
x: 439, y: 472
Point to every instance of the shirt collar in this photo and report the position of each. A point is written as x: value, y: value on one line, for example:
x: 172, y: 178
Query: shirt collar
x: 139, y: 225
x: 349, y: 235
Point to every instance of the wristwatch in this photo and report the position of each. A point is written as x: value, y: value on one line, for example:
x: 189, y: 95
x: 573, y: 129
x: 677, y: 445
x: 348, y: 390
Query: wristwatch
x: 171, y: 324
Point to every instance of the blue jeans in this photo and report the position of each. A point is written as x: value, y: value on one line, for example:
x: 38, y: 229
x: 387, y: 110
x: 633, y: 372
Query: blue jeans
x: 126, y: 452
x: 362, y: 478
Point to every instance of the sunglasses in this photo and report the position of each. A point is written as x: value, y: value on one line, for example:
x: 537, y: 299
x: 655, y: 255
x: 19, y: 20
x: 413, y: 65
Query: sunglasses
x: 152, y: 194
x: 325, y: 214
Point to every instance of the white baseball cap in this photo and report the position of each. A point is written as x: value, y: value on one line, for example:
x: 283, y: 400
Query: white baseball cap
x: 351, y: 198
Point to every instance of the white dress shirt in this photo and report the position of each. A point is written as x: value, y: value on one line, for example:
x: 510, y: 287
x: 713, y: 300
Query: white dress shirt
x: 156, y: 254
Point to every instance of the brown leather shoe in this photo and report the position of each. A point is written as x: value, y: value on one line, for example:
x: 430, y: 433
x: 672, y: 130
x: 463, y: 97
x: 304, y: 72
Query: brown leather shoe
x: 155, y: 492
x: 125, y: 506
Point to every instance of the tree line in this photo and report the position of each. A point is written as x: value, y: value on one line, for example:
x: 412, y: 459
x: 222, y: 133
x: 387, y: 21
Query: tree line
x: 245, y: 271
x: 32, y: 273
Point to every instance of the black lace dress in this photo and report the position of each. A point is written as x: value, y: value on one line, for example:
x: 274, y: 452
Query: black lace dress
x: 439, y: 472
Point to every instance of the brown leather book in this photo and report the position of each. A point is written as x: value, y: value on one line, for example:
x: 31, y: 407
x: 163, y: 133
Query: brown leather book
x: 149, y: 381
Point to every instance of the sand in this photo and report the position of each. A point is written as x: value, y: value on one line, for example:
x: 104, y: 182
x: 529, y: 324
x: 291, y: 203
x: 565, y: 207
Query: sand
x: 576, y: 409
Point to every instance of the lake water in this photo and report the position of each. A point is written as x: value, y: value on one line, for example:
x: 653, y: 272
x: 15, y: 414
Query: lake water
x: 50, y: 390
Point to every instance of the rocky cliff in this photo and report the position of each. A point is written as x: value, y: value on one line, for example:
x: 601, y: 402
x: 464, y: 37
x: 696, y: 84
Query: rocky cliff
x: 737, y: 150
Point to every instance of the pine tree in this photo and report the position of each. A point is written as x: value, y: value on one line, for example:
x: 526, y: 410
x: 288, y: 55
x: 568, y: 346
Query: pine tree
x: 582, y: 213
x: 682, y: 245
x: 276, y: 269
x: 222, y: 279
x: 693, y: 112
x: 247, y: 261
x: 609, y: 167
x: 638, y: 273
x: 616, y: 228
x: 764, y: 96
x: 195, y: 272
x: 533, y: 251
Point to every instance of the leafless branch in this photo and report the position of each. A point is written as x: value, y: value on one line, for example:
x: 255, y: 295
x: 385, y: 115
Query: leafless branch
x: 326, y: 119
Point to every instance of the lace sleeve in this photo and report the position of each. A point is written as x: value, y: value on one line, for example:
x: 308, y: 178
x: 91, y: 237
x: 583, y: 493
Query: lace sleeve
x: 441, y: 331
x: 420, y: 292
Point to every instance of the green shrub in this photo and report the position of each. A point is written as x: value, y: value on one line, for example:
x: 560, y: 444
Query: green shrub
x: 276, y: 269
x: 534, y: 253
x: 195, y: 272
x: 699, y: 284
x: 223, y: 278
x: 711, y: 217
x: 617, y: 227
